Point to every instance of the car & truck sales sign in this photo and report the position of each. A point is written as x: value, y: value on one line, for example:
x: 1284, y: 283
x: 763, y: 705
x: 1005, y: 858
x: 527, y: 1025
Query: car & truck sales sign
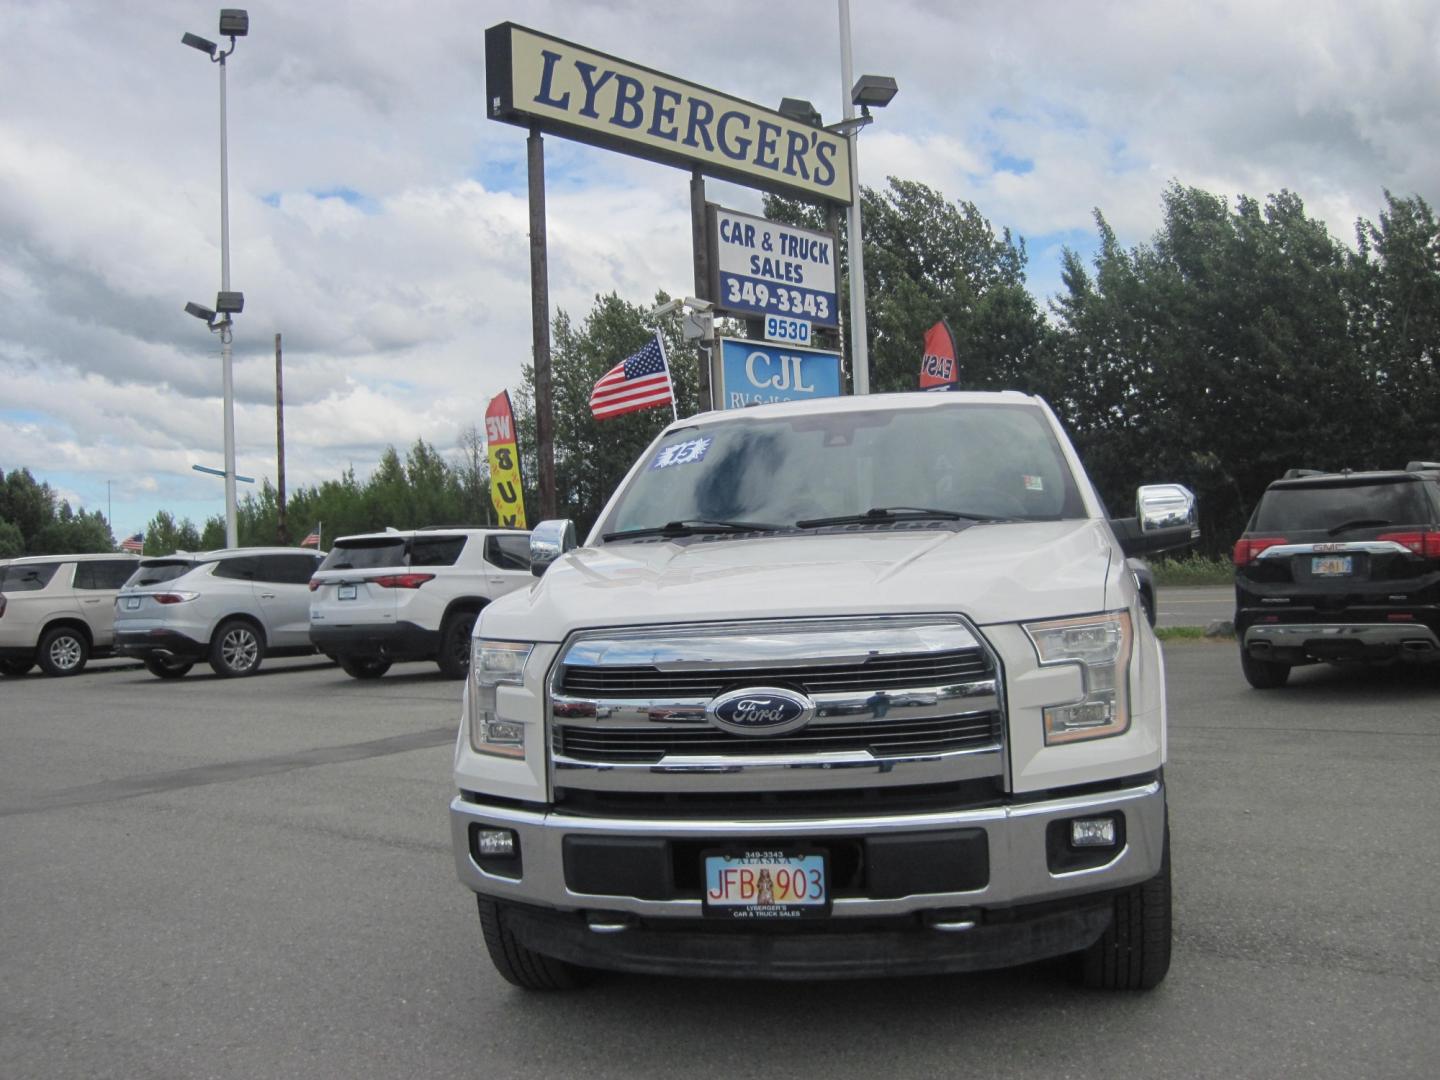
x: 532, y: 79
x: 765, y: 268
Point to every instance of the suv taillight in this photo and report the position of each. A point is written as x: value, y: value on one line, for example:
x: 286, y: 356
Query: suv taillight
x: 314, y: 584
x: 1248, y: 549
x: 1425, y: 542
x: 173, y: 597
x: 401, y: 581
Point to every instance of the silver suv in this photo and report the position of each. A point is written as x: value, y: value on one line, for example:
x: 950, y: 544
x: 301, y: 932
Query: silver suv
x: 412, y: 595
x: 58, y: 610
x: 232, y: 607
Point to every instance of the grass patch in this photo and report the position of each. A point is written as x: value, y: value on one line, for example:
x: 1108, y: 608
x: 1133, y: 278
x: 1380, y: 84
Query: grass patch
x: 1188, y: 633
x: 1193, y: 570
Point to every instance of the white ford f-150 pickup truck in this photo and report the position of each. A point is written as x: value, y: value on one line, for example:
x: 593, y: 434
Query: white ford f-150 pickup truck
x: 852, y: 687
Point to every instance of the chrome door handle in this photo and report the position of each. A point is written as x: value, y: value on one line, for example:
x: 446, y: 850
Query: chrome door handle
x: 267, y: 596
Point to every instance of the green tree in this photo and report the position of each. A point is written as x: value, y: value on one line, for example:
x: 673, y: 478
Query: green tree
x: 165, y: 536
x: 12, y: 543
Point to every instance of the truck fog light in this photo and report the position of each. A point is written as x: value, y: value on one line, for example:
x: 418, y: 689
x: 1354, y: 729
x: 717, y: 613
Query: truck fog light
x: 495, y: 843
x: 1092, y: 832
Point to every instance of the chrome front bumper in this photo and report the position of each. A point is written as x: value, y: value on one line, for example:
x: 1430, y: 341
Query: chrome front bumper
x: 1015, y: 834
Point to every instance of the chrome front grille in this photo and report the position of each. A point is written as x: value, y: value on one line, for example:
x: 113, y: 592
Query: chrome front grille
x: 897, y: 701
x: 881, y: 738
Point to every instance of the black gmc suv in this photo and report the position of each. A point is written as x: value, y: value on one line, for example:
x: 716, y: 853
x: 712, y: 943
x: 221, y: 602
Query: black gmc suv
x: 1339, y: 567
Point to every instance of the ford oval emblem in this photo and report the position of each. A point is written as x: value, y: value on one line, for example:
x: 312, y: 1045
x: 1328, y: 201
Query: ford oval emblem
x: 760, y: 710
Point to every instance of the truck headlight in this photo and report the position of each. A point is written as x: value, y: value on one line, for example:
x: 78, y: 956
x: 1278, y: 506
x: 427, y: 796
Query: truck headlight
x: 492, y: 664
x: 1100, y: 644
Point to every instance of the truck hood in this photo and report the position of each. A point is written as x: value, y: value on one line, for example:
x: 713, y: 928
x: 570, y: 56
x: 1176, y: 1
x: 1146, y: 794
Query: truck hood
x: 1003, y: 572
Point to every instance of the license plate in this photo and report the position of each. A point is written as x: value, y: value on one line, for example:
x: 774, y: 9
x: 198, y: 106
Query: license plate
x: 346, y: 592
x: 132, y: 603
x: 1331, y: 565
x: 764, y: 883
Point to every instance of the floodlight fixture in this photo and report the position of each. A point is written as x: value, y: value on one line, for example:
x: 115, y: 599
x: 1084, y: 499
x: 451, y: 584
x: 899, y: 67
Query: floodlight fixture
x: 195, y: 41
x: 873, y: 91
x: 234, y: 22
x: 846, y: 128
x: 230, y: 303
x: 202, y: 313
x: 801, y: 110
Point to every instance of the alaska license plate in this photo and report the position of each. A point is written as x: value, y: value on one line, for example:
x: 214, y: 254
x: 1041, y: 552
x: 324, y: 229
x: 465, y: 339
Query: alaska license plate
x: 132, y: 603
x: 1332, y: 565
x: 346, y: 592
x: 765, y: 883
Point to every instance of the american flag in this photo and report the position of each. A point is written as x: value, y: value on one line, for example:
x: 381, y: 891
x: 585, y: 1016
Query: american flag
x: 637, y: 382
x: 312, y: 538
x: 134, y: 543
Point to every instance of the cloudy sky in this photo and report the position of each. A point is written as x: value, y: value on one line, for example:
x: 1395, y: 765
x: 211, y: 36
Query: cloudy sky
x: 379, y: 222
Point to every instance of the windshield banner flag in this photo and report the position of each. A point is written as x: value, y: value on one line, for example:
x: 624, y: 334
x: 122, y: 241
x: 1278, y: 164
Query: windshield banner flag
x: 939, y: 369
x: 503, y: 451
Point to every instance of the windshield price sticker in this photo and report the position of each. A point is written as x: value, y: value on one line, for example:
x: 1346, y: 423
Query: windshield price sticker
x: 765, y: 884
x: 682, y: 453
x: 766, y: 268
x: 794, y: 331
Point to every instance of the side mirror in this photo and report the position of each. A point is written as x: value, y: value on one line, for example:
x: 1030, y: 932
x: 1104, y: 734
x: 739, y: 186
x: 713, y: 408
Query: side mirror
x: 1166, y: 517
x: 548, y: 541
x: 1164, y: 506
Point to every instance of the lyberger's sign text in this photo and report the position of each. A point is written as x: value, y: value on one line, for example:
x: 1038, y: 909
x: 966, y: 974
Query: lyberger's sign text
x: 584, y: 95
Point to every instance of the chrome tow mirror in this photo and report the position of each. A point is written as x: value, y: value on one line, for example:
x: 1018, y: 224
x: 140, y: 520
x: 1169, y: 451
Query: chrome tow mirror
x: 548, y: 541
x: 1165, y: 506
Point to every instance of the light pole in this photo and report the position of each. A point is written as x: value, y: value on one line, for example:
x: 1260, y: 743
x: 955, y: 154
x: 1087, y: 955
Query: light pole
x: 876, y: 90
x: 234, y: 23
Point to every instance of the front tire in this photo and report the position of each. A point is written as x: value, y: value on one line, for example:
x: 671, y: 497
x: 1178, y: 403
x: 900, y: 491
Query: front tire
x: 1134, y: 953
x: 167, y: 667
x: 63, y: 651
x: 13, y: 669
x: 365, y: 667
x: 524, y: 967
x: 454, y: 658
x: 1263, y: 674
x: 237, y: 649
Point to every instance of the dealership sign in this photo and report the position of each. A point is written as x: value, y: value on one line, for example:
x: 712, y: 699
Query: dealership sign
x: 757, y: 373
x: 765, y: 268
x: 533, y: 79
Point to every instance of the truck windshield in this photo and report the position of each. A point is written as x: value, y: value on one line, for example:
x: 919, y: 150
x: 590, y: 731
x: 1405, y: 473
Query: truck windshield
x: 965, y: 461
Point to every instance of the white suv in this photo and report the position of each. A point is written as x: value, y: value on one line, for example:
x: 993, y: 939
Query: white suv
x: 414, y: 595
x: 58, y: 611
x: 233, y: 607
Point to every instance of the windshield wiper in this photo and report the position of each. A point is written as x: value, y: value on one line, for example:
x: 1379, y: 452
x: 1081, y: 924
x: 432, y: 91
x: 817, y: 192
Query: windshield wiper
x: 894, y: 513
x: 1358, y: 523
x: 691, y: 527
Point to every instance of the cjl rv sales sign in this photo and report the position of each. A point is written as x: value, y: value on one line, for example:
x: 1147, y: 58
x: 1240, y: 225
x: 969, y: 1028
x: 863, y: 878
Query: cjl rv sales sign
x: 757, y: 373
x: 765, y: 268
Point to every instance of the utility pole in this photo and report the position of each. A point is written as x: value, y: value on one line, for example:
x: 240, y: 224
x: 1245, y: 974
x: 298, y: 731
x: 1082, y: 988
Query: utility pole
x: 540, y: 324
x: 282, y: 533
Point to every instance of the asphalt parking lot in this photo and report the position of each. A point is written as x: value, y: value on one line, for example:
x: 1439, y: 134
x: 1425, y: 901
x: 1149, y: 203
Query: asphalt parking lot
x: 252, y: 878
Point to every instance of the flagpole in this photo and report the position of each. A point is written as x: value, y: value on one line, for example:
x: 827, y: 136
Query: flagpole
x: 669, y: 380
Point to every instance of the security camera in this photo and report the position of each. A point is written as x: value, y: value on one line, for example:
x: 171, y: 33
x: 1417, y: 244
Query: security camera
x: 203, y: 313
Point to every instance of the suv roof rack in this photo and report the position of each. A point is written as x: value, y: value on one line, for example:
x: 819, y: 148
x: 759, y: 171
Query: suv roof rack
x: 1295, y: 474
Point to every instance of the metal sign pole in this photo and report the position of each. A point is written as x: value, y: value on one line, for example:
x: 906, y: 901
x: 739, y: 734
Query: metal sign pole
x: 540, y: 325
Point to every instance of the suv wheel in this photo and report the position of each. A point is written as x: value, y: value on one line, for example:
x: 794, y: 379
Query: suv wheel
x: 454, y: 658
x: 365, y: 667
x: 167, y: 667
x: 524, y: 967
x: 1263, y: 674
x: 63, y: 651
x: 237, y: 649
x: 15, y: 668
